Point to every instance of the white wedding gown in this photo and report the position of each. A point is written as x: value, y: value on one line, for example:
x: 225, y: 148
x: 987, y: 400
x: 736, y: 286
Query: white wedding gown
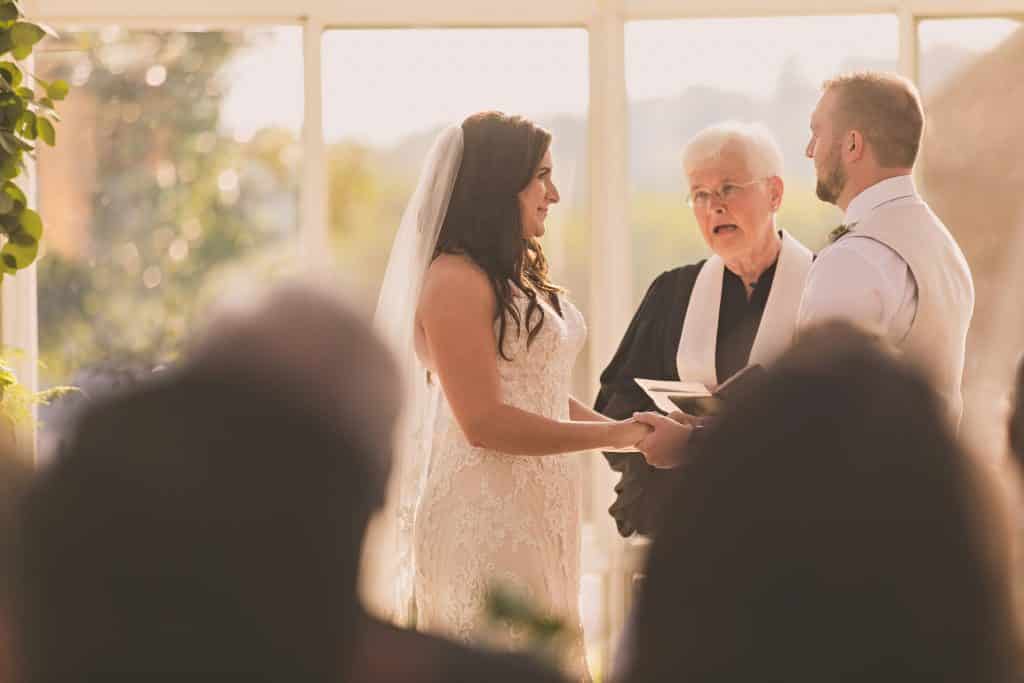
x: 487, y: 517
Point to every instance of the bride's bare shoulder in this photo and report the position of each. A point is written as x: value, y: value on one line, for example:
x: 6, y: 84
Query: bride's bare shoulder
x: 454, y: 264
x: 455, y: 277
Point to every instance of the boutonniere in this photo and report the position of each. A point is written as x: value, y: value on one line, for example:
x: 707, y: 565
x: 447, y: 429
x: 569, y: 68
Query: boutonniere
x: 840, y: 231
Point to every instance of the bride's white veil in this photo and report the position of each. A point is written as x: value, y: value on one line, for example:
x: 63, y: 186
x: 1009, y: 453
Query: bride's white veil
x: 390, y: 542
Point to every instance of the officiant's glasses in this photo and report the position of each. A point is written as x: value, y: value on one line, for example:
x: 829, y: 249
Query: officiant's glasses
x: 701, y: 199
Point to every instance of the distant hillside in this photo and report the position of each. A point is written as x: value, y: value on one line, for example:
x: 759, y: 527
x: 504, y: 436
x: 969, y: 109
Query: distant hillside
x: 659, y: 128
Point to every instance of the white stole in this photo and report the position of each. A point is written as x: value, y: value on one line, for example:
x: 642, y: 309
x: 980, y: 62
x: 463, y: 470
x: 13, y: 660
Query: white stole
x: 695, y: 358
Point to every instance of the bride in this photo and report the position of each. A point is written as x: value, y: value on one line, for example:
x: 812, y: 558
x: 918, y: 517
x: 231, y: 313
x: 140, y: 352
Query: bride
x: 489, y: 496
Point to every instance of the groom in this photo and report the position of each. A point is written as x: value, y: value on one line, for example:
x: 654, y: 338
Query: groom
x: 893, y: 267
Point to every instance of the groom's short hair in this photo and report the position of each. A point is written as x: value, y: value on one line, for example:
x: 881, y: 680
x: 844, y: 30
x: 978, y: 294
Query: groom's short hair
x: 886, y: 108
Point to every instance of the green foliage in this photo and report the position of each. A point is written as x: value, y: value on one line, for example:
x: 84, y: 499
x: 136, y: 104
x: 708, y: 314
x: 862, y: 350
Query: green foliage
x: 23, y: 121
x: 508, y: 610
x: 16, y: 401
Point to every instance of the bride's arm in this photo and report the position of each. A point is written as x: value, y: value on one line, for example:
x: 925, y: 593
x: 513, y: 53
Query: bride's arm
x: 456, y: 311
x: 584, y: 413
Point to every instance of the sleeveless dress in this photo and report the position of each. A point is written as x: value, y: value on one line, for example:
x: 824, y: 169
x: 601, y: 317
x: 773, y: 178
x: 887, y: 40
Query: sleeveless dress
x: 487, y: 518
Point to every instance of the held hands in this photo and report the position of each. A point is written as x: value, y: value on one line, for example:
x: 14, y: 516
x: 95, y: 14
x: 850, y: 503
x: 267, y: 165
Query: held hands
x: 665, y: 446
x: 628, y: 433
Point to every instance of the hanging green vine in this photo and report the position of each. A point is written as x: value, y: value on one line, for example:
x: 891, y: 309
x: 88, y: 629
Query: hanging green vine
x: 27, y: 115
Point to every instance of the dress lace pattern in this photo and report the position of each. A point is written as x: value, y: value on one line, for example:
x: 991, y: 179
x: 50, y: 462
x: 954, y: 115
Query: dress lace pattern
x: 490, y: 518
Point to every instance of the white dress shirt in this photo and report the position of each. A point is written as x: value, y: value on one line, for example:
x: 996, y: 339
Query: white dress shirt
x: 860, y: 279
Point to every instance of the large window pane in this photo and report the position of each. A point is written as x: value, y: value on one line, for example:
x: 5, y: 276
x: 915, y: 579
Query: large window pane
x: 972, y: 76
x: 687, y: 74
x: 175, y: 171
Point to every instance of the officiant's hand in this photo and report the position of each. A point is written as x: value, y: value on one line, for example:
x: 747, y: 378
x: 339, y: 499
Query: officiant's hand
x: 665, y: 446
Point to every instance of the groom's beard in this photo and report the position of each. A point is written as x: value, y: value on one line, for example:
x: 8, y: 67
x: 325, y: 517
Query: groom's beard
x: 831, y: 186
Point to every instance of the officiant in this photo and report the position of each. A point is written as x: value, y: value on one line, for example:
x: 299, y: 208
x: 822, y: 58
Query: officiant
x: 705, y: 321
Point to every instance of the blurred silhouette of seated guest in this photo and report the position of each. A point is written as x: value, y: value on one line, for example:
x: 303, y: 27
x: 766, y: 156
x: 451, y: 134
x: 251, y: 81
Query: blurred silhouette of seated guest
x: 90, y: 383
x: 1015, y: 432
x: 14, y: 478
x: 210, y: 520
x: 1016, y: 426
x: 830, y: 528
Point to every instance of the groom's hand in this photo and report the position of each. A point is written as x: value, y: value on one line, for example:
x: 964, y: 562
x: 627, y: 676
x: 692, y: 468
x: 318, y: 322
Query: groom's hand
x: 686, y: 419
x: 665, y: 446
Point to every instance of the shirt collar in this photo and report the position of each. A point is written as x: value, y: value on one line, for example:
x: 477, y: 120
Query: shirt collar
x: 880, y: 193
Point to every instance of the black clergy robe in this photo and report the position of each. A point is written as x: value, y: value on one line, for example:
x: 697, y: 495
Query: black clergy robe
x: 649, y: 350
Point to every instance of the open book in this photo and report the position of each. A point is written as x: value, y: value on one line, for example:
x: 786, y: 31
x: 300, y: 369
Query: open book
x: 696, y: 399
x: 690, y: 397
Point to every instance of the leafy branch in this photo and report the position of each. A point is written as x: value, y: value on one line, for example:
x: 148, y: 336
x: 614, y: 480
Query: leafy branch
x: 27, y: 115
x: 544, y: 635
x: 16, y: 401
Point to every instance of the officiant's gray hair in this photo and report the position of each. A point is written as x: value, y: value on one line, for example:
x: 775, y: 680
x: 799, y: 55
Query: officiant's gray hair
x: 762, y: 152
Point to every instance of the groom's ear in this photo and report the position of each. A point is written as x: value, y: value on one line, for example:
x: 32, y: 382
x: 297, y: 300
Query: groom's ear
x: 853, y: 145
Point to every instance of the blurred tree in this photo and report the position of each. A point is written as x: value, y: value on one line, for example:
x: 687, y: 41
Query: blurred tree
x: 172, y: 198
x: 366, y: 198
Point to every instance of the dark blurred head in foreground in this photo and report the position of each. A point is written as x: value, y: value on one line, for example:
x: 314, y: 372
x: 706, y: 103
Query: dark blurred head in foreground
x: 830, y: 529
x: 210, y: 520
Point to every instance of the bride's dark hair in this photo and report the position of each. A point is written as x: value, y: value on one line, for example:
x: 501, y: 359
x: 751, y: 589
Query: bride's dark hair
x: 500, y: 155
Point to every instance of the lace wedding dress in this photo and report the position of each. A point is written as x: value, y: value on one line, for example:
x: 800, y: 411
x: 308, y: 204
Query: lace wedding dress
x: 487, y: 518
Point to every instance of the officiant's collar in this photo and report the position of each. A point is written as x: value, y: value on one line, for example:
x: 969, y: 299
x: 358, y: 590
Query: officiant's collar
x: 883, y: 192
x: 771, y: 266
x: 760, y: 289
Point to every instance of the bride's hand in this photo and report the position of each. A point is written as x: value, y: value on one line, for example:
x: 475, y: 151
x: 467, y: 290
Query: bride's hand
x: 628, y: 433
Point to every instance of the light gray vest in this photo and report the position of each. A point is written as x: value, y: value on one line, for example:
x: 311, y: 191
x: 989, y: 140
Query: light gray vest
x: 937, y: 338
